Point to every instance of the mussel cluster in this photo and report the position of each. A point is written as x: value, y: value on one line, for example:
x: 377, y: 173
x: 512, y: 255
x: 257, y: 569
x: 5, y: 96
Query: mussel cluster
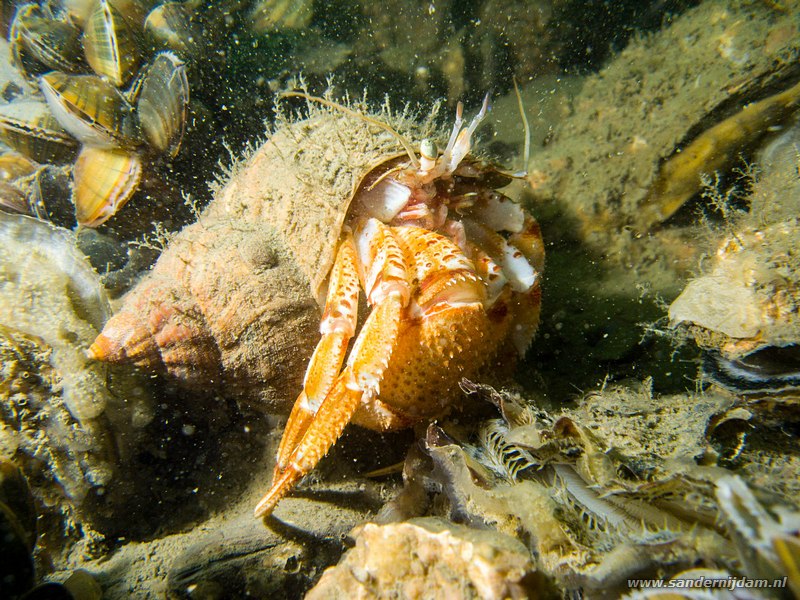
x: 111, y: 88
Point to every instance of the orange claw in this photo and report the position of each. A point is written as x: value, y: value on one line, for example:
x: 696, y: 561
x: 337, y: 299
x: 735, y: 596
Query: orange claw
x: 337, y: 327
x: 312, y: 430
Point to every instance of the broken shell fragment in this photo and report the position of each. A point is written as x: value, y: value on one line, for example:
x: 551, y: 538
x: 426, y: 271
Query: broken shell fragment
x: 105, y: 179
x: 163, y: 102
x: 91, y: 109
x: 110, y: 44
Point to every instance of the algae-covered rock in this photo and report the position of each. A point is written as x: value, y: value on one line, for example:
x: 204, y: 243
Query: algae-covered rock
x: 428, y: 558
x: 59, y: 420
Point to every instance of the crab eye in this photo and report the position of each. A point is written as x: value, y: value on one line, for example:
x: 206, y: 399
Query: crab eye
x: 428, y: 149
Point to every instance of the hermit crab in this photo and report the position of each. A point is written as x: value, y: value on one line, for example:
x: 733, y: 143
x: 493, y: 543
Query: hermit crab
x: 450, y: 269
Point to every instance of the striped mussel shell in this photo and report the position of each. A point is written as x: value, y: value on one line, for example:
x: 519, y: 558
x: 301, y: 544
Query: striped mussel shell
x: 169, y: 26
x: 31, y: 129
x: 14, y: 166
x: 37, y: 191
x: 12, y: 199
x: 278, y: 15
x: 104, y: 180
x: 133, y: 11
x: 163, y: 102
x: 111, y: 44
x: 91, y: 109
x: 52, y: 43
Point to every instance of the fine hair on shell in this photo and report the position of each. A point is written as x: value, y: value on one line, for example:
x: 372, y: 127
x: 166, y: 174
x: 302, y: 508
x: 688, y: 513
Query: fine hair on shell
x: 408, y: 124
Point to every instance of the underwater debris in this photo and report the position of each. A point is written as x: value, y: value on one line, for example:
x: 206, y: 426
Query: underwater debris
x: 623, y: 485
x: 60, y: 421
x: 769, y: 546
x: 435, y: 559
x: 680, y: 177
x: 743, y: 311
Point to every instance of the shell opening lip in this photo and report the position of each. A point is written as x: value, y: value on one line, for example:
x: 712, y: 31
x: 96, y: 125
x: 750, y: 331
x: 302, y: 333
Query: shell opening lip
x: 772, y: 370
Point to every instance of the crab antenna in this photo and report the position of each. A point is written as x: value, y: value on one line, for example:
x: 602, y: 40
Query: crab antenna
x: 526, y: 153
x: 456, y: 128
x: 349, y: 111
x: 476, y: 120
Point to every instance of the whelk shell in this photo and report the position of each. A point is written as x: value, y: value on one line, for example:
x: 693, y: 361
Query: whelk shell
x: 110, y: 44
x: 105, y: 179
x: 31, y: 129
x: 163, y: 102
x: 233, y: 301
x: 91, y: 109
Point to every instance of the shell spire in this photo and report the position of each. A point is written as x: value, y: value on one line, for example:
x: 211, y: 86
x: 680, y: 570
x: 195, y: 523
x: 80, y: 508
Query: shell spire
x: 125, y: 338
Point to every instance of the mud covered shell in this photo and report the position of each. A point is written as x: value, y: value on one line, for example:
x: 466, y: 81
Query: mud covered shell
x: 105, y: 179
x: 31, y: 129
x: 15, y: 495
x: 110, y: 44
x: 163, y: 103
x: 91, y: 109
x: 17, y: 531
x: 428, y: 557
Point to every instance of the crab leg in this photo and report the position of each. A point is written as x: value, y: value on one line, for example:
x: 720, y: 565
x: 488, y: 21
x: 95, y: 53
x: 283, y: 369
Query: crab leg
x: 386, y: 280
x: 337, y: 326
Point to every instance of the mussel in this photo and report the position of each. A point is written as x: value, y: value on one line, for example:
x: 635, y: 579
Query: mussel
x: 170, y: 26
x: 91, y: 109
x: 111, y: 44
x: 163, y: 102
x: 13, y: 166
x: 52, y: 43
x: 104, y: 180
x: 31, y: 129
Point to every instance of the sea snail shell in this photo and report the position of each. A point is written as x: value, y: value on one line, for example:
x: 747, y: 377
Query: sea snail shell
x: 234, y: 300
